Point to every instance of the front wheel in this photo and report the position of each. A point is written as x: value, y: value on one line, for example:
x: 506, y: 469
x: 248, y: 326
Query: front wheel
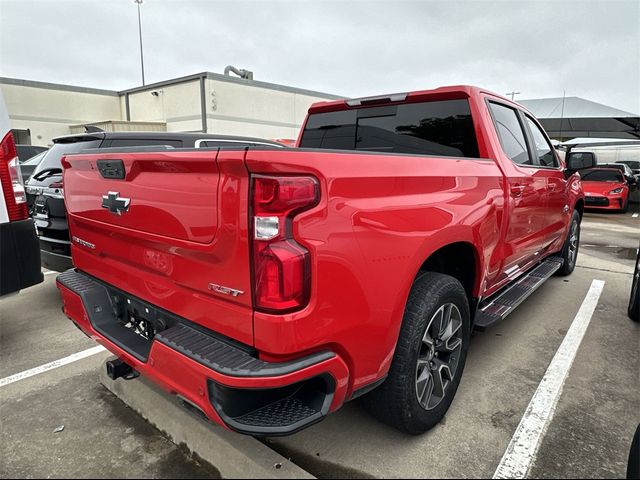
x: 569, y: 253
x: 429, y: 357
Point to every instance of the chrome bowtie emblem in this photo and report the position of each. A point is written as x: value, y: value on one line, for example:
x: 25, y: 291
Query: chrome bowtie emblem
x: 114, y: 203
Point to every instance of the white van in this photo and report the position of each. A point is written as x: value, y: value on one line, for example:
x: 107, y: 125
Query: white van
x: 19, y: 248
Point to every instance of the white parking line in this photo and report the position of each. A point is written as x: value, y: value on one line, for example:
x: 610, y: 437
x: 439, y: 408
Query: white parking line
x: 48, y: 272
x: 520, y: 453
x: 51, y: 365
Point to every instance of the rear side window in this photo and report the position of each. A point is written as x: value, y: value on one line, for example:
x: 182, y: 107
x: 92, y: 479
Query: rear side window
x: 544, y: 150
x: 511, y: 133
x: 443, y: 128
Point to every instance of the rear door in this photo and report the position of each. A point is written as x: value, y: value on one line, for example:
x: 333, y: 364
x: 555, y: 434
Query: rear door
x: 165, y: 227
x: 526, y: 193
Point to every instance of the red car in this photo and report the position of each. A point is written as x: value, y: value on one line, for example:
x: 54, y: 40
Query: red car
x: 267, y: 287
x: 605, y: 189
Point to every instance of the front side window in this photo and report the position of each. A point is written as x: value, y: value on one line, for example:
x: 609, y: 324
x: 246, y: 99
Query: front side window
x: 511, y: 134
x: 544, y: 150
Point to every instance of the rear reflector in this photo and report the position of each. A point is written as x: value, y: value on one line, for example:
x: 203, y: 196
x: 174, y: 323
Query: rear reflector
x: 281, y: 266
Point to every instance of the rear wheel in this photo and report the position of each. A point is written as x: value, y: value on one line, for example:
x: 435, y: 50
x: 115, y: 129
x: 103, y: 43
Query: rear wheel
x: 571, y: 246
x: 429, y: 358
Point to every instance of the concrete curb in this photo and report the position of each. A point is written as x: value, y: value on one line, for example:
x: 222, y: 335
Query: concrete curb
x: 234, y: 455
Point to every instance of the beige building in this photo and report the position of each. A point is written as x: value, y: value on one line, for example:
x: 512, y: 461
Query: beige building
x: 205, y: 102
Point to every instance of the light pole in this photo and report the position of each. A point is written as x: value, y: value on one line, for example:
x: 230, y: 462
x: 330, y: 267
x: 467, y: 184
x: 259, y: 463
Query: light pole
x: 139, y: 2
x: 513, y: 94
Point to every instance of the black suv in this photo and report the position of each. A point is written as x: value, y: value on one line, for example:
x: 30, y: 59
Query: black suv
x: 45, y: 190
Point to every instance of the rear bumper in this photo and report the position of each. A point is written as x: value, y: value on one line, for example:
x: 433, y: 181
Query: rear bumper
x: 55, y: 261
x: 19, y: 256
x: 226, y: 381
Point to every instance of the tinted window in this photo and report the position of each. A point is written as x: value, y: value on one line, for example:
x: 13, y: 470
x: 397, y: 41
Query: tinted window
x: 443, y: 128
x: 601, y: 176
x: 511, y: 134
x: 145, y: 142
x: 53, y: 156
x: 544, y: 150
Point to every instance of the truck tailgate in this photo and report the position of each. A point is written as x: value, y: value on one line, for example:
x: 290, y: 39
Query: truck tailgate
x: 170, y: 232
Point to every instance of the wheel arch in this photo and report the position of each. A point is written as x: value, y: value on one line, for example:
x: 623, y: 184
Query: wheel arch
x: 459, y: 260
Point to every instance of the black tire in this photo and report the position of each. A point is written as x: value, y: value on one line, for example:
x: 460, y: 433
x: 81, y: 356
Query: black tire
x: 396, y: 402
x: 634, y: 301
x: 569, y: 252
x: 625, y: 209
x: 633, y: 465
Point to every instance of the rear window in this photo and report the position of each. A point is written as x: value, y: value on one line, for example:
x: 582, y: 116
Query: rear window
x: 54, y: 154
x: 443, y: 128
x: 601, y: 176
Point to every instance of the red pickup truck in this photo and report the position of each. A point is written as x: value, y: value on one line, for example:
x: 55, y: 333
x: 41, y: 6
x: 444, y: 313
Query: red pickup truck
x: 266, y: 287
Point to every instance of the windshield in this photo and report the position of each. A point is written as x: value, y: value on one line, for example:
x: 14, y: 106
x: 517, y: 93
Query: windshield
x: 442, y: 128
x: 54, y: 155
x: 602, y: 176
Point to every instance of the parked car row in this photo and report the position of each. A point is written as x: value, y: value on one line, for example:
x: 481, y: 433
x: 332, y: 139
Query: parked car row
x: 607, y: 186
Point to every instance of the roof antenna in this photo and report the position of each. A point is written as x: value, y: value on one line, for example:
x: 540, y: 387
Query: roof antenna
x: 564, y: 94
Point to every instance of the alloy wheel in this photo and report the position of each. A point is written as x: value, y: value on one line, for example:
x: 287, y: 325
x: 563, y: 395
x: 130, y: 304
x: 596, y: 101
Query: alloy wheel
x: 439, y: 356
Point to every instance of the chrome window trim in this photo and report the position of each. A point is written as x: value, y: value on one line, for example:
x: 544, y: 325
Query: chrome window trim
x: 199, y: 142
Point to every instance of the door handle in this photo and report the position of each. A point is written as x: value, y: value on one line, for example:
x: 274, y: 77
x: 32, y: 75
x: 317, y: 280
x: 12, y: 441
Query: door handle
x: 516, y: 190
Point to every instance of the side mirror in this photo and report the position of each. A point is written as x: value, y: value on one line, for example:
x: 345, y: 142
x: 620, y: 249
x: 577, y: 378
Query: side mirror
x: 580, y: 161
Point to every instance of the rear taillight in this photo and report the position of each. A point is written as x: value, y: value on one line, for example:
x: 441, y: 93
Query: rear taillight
x: 11, y: 178
x: 281, y: 266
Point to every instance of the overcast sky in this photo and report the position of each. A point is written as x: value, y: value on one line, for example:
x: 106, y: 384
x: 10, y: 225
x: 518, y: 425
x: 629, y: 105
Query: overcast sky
x: 352, y: 48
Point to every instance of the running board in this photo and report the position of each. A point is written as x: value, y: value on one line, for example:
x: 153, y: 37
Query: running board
x: 498, y: 306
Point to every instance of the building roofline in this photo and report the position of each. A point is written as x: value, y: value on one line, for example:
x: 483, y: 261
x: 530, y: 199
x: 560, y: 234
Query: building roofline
x: 208, y: 75
x: 56, y: 86
x: 239, y: 81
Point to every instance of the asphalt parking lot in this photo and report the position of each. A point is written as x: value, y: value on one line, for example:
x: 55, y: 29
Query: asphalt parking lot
x: 589, y: 435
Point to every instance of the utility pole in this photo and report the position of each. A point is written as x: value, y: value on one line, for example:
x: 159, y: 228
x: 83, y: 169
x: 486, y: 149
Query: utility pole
x: 139, y: 2
x: 513, y: 94
x: 564, y: 96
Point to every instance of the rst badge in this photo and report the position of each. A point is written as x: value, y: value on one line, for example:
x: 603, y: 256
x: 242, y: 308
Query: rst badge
x: 115, y: 204
x: 224, y: 290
